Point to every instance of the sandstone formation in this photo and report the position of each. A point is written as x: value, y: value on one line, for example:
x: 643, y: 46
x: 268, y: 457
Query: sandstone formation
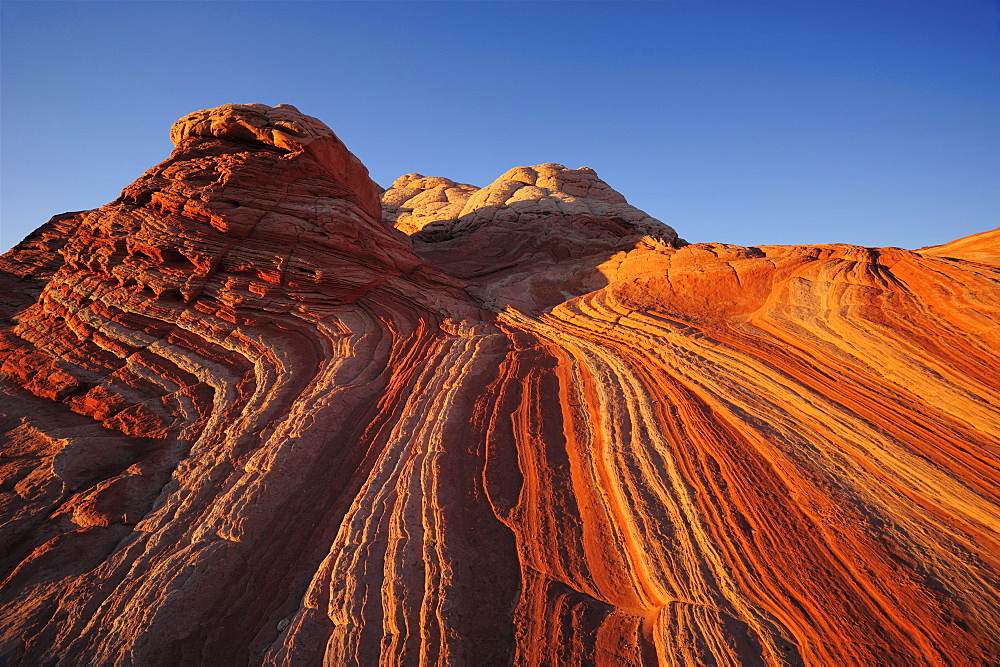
x: 25, y: 268
x: 532, y: 239
x: 436, y: 209
x: 247, y: 420
x: 983, y: 248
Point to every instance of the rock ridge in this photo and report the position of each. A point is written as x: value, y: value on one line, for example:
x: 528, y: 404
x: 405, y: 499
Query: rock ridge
x: 438, y: 209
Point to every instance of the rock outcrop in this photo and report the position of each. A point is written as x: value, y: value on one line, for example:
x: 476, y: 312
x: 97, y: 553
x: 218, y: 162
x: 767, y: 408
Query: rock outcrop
x: 983, y: 247
x: 437, y: 209
x: 534, y: 238
x: 26, y: 267
x: 247, y: 420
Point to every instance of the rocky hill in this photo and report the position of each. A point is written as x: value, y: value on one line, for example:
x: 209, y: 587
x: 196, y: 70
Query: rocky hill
x: 254, y: 415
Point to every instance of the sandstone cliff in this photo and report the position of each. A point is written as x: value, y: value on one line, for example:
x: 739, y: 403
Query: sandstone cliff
x: 252, y: 414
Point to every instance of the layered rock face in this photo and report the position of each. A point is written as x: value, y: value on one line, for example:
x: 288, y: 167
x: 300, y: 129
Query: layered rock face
x: 247, y: 420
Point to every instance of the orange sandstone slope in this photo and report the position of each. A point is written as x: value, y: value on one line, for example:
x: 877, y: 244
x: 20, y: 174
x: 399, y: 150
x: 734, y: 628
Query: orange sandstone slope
x: 983, y: 248
x: 247, y: 421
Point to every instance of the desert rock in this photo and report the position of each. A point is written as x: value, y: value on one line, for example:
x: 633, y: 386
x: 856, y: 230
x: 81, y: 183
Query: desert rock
x: 532, y: 239
x: 437, y: 209
x: 245, y: 420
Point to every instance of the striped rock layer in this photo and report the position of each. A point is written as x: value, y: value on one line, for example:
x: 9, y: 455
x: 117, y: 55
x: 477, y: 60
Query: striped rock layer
x: 247, y: 421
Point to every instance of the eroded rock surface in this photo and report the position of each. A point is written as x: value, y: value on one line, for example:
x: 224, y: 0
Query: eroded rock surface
x: 27, y: 267
x: 532, y: 239
x: 983, y: 247
x: 247, y: 421
x: 436, y: 209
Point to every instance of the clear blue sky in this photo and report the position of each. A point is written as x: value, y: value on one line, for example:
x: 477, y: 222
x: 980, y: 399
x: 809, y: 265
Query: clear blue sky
x: 875, y: 123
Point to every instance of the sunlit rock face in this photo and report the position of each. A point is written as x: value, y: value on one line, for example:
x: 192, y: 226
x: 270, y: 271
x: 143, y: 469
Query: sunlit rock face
x: 247, y: 420
x: 436, y: 209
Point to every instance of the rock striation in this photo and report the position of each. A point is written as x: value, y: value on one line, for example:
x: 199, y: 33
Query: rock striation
x: 983, y: 248
x: 251, y: 414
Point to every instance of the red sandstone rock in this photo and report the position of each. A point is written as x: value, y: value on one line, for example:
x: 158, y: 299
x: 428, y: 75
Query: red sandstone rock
x: 245, y: 420
x: 26, y: 267
x: 983, y: 247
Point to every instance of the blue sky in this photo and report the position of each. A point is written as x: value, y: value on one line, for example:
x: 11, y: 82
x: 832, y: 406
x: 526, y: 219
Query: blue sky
x: 874, y: 123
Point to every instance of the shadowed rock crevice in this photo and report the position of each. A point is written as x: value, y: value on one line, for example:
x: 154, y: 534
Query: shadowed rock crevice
x: 252, y: 413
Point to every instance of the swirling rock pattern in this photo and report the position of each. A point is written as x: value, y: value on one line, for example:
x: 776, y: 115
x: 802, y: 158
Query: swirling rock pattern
x: 248, y: 421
